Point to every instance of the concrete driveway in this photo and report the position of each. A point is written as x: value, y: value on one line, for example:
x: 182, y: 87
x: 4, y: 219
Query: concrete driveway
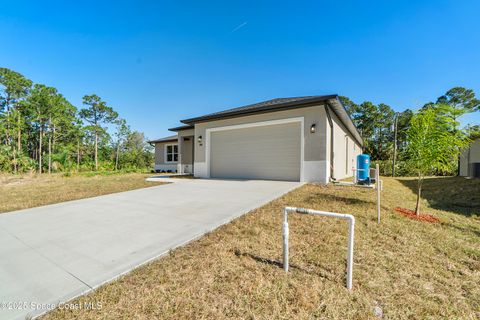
x: 53, y: 253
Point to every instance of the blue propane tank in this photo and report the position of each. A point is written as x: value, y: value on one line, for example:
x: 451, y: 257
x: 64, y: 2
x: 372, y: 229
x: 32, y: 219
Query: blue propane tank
x: 363, y: 168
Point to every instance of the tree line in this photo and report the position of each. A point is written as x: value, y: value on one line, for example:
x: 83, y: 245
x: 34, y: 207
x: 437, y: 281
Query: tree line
x: 41, y: 130
x: 386, y: 132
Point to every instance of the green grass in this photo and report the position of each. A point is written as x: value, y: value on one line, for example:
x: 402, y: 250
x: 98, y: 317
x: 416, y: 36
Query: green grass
x: 28, y: 191
x: 408, y: 269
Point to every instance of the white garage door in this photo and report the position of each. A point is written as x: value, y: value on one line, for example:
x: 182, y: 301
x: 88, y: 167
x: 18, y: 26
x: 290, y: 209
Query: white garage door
x: 269, y: 152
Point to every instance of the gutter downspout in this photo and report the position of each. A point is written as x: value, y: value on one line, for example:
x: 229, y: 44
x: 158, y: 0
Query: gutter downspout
x: 327, y: 110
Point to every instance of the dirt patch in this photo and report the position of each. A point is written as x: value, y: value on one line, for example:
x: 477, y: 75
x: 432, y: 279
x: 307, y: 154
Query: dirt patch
x: 412, y: 215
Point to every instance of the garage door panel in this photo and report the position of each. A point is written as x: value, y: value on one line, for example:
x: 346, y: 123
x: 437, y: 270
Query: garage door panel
x: 266, y: 152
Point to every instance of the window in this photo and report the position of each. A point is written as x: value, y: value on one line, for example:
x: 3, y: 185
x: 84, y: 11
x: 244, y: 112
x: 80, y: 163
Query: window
x: 171, y: 153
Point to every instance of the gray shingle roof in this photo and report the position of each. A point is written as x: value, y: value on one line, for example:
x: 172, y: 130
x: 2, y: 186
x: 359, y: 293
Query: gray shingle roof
x: 261, y: 106
x: 165, y: 139
x: 278, y: 104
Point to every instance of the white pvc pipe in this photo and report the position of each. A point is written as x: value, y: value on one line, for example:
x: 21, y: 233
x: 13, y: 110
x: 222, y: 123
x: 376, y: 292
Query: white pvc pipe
x: 378, y: 182
x: 285, y: 240
x: 351, y: 230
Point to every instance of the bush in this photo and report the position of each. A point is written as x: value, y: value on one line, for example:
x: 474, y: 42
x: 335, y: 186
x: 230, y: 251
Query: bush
x: 5, y: 158
x: 7, y: 161
x: 106, y: 166
x: 386, y: 168
x: 401, y: 169
x: 25, y: 163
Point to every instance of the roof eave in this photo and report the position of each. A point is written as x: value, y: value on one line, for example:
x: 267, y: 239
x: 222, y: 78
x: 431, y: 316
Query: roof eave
x: 345, y: 118
x: 160, y: 141
x: 333, y: 100
x: 278, y: 107
x: 165, y: 139
x: 181, y: 128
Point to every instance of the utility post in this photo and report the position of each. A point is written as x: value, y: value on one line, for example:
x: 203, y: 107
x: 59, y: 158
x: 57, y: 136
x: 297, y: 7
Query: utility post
x: 394, y: 143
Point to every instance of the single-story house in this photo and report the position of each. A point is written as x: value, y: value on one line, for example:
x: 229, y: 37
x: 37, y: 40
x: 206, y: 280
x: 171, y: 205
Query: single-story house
x: 309, y: 139
x: 470, y: 160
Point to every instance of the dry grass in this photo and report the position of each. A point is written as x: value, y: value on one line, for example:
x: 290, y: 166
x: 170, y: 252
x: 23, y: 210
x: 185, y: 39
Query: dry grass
x: 409, y: 269
x: 27, y: 191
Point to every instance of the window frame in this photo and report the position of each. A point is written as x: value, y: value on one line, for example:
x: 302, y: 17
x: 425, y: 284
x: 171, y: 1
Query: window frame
x: 166, y: 153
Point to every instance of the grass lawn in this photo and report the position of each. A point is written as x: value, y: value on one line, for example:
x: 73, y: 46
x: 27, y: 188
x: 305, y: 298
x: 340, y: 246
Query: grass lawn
x: 403, y: 268
x: 27, y: 191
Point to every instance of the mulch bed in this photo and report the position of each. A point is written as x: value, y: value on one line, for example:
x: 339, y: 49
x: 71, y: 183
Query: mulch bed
x: 412, y: 215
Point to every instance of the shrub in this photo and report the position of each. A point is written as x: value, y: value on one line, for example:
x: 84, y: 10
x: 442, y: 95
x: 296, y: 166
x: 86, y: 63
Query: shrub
x: 401, y: 169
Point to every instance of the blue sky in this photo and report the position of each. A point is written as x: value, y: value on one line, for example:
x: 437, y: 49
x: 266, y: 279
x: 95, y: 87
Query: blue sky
x: 161, y: 61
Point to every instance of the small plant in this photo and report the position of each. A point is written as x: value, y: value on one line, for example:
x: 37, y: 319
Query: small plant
x: 431, y: 147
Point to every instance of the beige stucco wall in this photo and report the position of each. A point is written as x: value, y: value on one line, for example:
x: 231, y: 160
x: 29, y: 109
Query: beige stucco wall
x: 187, y: 151
x: 345, y: 150
x: 469, y: 156
x: 186, y: 133
x: 185, y: 164
x: 315, y: 152
x: 314, y: 148
x: 160, y: 152
x: 160, y: 164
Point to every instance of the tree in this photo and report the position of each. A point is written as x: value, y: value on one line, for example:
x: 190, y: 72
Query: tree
x: 41, y: 102
x: 430, y: 148
x: 60, y: 125
x: 121, y: 135
x: 40, y: 129
x: 96, y: 114
x: 367, y: 118
x: 138, y: 153
x: 14, y: 89
x: 14, y: 124
x: 473, y: 132
x: 455, y: 103
x: 384, y: 132
x: 375, y: 125
x: 403, y: 125
x: 78, y: 134
x: 351, y: 107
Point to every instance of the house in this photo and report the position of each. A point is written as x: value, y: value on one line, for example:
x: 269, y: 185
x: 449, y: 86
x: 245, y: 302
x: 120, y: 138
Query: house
x: 309, y: 139
x: 470, y: 160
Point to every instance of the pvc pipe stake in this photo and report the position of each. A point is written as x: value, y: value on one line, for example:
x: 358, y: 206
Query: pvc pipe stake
x: 378, y: 182
x: 351, y: 230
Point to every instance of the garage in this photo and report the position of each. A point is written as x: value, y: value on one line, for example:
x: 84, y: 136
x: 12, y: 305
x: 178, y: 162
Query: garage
x: 270, y: 152
x: 307, y: 139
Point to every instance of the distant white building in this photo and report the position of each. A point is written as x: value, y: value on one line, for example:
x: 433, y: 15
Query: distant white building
x: 470, y: 160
